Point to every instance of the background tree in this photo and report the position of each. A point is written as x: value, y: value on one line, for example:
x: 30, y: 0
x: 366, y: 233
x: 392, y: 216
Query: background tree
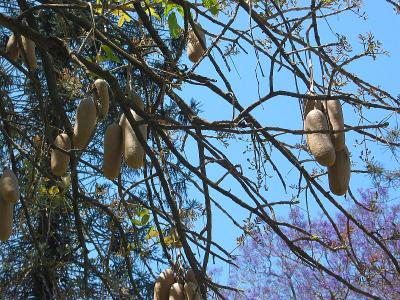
x: 266, y: 266
x: 82, y: 236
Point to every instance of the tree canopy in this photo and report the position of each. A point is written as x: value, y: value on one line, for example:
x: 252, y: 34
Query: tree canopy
x: 208, y: 154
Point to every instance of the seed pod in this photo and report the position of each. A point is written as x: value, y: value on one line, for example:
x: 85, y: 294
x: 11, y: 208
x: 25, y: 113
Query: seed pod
x: 12, y: 48
x: 9, y: 188
x: 112, y: 151
x: 6, y: 219
x: 320, y: 144
x: 176, y: 292
x: 339, y: 173
x: 29, y: 49
x: 135, y: 98
x: 132, y: 149
x: 335, y: 114
x: 194, y: 48
x: 60, y: 160
x: 163, y: 284
x: 85, y: 122
x: 191, y: 291
x: 190, y: 277
x: 309, y: 105
x: 102, y: 91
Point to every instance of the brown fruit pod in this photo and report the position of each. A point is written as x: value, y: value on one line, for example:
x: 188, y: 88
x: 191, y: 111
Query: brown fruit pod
x: 176, y: 292
x: 29, y: 49
x: 191, y: 291
x: 9, y: 188
x: 59, y: 160
x: 102, y: 92
x: 12, y: 48
x: 163, y: 285
x: 339, y: 173
x: 132, y: 148
x: 6, y: 219
x: 190, y: 277
x: 135, y: 98
x: 335, y: 115
x: 309, y: 105
x: 85, y: 122
x: 194, y: 48
x: 320, y: 144
x: 112, y: 151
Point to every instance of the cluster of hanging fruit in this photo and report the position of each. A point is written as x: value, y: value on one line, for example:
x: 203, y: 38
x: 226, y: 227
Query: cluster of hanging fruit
x: 9, y: 195
x: 120, y: 138
x: 328, y: 149
x: 168, y: 288
x: 21, y: 47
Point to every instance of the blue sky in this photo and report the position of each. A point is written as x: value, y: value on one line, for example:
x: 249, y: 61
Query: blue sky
x: 284, y: 112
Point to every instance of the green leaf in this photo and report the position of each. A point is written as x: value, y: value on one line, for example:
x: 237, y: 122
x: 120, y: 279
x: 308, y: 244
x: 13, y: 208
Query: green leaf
x: 212, y: 6
x: 168, y: 240
x: 327, y: 2
x: 123, y: 17
x: 136, y: 222
x: 54, y: 190
x: 152, y: 233
x: 171, y: 6
x: 100, y: 58
x: 174, y: 28
x: 145, y: 220
x: 172, y: 241
x: 144, y: 216
x: 109, y: 54
x: 153, y: 12
x: 143, y: 212
x: 42, y: 189
x: 99, y: 9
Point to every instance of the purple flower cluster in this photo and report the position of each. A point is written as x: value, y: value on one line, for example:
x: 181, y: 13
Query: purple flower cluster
x: 268, y: 269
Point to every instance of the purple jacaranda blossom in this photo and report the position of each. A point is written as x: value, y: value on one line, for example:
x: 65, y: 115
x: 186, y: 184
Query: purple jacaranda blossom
x: 268, y: 269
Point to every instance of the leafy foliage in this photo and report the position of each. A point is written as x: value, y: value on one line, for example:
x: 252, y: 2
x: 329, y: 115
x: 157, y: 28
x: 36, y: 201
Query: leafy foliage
x: 266, y: 266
